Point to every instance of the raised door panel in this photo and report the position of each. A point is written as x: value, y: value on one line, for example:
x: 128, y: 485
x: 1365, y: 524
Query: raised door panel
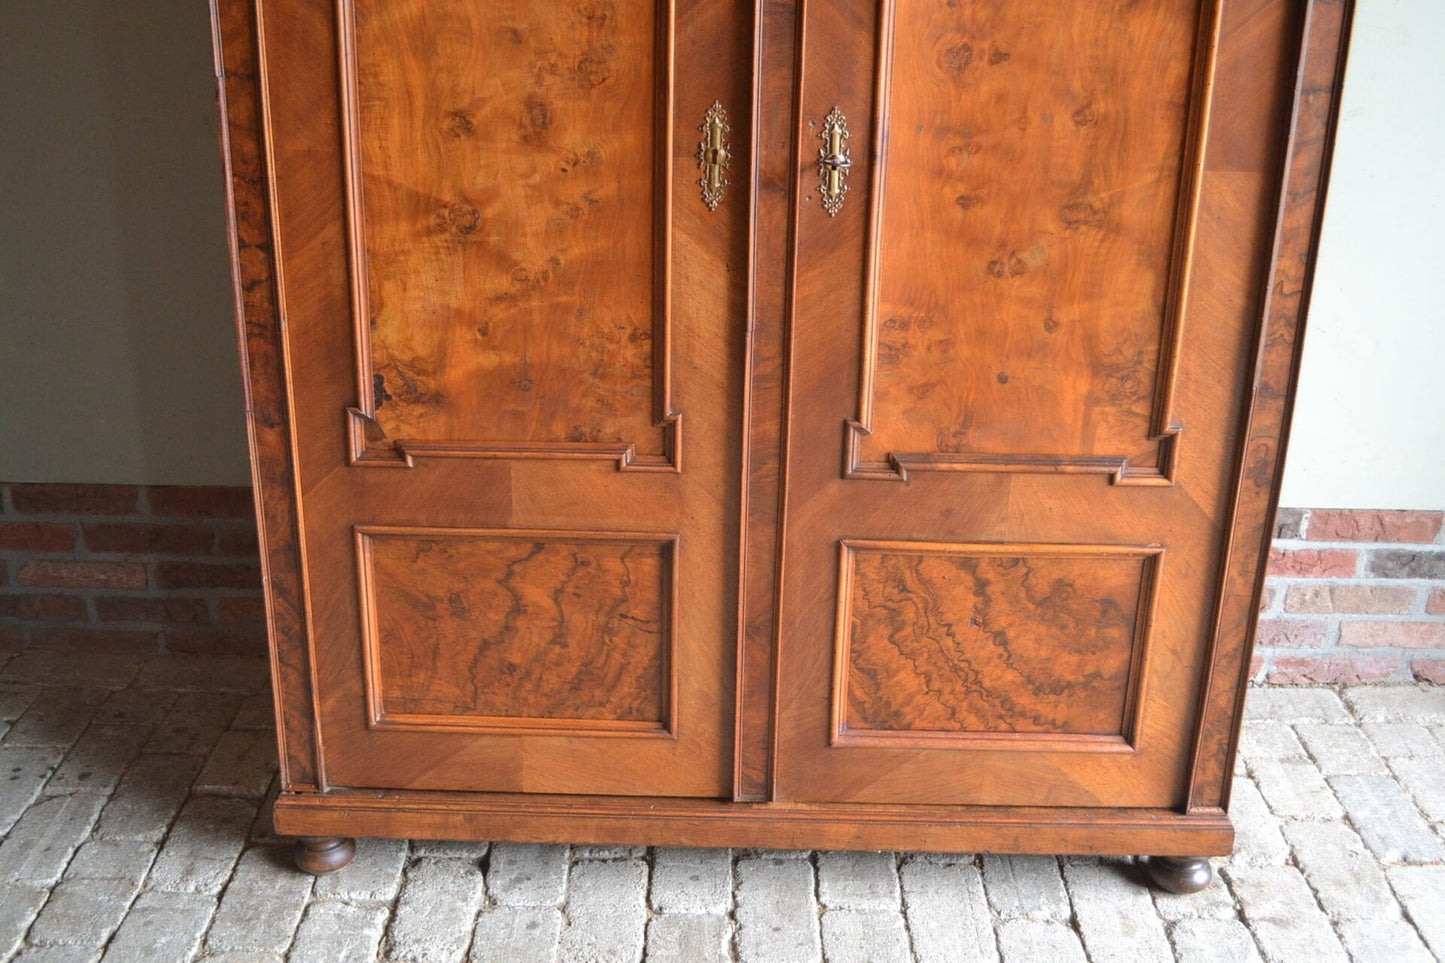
x: 1018, y: 361
x: 507, y: 304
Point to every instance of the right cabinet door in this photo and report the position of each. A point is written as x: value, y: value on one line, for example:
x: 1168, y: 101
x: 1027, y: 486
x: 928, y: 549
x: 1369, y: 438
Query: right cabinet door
x: 1022, y: 342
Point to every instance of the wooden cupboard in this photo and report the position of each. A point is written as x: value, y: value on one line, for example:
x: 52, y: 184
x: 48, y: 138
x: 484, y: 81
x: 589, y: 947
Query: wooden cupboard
x: 817, y: 424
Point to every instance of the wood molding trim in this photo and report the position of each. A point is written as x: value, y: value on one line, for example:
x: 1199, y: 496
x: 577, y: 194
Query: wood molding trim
x: 1324, y: 39
x: 264, y: 373
x: 705, y: 822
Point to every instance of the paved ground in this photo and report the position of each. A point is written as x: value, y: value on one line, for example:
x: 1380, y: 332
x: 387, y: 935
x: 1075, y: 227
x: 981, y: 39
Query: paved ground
x: 132, y: 802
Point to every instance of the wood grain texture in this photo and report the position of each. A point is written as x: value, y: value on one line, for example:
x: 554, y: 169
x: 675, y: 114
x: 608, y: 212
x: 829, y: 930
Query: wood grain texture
x: 1129, y: 262
x: 774, y: 121
x: 511, y: 277
x: 1045, y: 177
x: 705, y: 822
x: 516, y: 630
x: 1324, y: 33
x: 960, y: 640
x: 264, y: 377
x: 570, y: 487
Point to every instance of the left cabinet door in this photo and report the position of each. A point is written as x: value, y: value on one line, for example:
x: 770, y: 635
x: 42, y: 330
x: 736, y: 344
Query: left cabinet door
x: 514, y: 339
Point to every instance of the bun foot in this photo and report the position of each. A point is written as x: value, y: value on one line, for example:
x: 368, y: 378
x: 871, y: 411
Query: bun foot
x: 323, y: 854
x: 1180, y: 874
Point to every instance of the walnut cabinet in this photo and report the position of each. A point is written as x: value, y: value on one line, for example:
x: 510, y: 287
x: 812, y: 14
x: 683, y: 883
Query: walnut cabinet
x: 793, y: 424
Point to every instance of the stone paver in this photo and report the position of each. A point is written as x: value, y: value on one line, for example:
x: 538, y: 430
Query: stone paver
x: 262, y: 904
x: 1029, y: 941
x: 606, y: 912
x: 339, y: 933
x: 777, y: 911
x: 947, y: 912
x: 1026, y: 887
x: 692, y: 881
x: 1115, y: 914
x: 689, y: 938
x: 524, y: 874
x: 133, y: 824
x: 84, y: 911
x: 516, y: 934
x: 865, y: 936
x: 1387, y: 820
x: 434, y: 915
x: 161, y: 926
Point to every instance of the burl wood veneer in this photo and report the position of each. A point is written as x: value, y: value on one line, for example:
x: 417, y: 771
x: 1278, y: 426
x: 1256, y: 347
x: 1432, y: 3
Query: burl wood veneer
x: 901, y: 481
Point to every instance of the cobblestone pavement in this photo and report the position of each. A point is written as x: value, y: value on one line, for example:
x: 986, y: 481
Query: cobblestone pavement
x: 133, y: 807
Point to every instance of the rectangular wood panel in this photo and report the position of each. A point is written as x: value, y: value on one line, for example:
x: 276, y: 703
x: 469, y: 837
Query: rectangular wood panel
x: 1028, y: 158
x: 507, y: 630
x: 1015, y: 644
x: 509, y: 200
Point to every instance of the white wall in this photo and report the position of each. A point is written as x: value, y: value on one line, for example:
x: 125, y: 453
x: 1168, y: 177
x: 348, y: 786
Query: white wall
x: 1369, y: 427
x: 117, y: 358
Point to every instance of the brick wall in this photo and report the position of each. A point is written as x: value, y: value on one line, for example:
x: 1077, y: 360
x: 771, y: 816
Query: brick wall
x: 121, y: 568
x: 1353, y: 596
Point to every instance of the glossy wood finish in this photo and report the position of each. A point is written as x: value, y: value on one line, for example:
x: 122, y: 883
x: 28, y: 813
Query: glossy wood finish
x: 1180, y: 875
x: 965, y: 328
x: 489, y: 212
x: 1314, y: 105
x: 323, y: 854
x: 1012, y: 188
x: 312, y: 52
x: 509, y: 630
x: 962, y: 642
x: 754, y: 680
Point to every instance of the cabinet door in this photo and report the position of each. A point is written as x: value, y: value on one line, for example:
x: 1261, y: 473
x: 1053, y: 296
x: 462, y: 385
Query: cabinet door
x: 514, y: 335
x: 1019, y: 354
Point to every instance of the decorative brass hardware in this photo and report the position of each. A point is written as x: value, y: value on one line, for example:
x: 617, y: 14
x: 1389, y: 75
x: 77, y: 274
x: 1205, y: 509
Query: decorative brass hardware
x: 713, y: 155
x: 833, y: 161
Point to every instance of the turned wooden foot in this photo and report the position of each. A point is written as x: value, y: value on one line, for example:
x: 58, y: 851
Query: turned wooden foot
x: 1180, y: 874
x: 323, y: 854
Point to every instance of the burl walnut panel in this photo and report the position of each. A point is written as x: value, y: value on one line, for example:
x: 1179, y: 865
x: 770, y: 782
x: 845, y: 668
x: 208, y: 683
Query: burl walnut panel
x: 959, y: 639
x: 507, y: 193
x: 507, y: 630
x: 1031, y: 207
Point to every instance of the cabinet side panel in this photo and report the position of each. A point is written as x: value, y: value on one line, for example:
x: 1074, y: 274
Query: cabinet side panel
x: 268, y: 419
x: 1325, y: 36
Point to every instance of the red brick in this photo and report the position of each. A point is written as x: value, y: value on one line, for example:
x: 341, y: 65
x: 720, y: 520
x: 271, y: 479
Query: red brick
x: 119, y: 575
x: 12, y: 638
x: 1393, y: 635
x: 1435, y: 604
x: 1329, y: 671
x: 1266, y: 598
x: 175, y: 539
x: 1292, y: 634
x: 207, y: 575
x: 1256, y: 667
x: 1312, y: 562
x: 1327, y: 525
x: 248, y: 640
x: 43, y: 608
x: 37, y: 537
x: 201, y: 501
x: 239, y: 541
x: 74, y: 499
x: 1429, y: 670
x: 1354, y: 599
x: 93, y: 640
x: 241, y: 609
x: 151, y: 609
